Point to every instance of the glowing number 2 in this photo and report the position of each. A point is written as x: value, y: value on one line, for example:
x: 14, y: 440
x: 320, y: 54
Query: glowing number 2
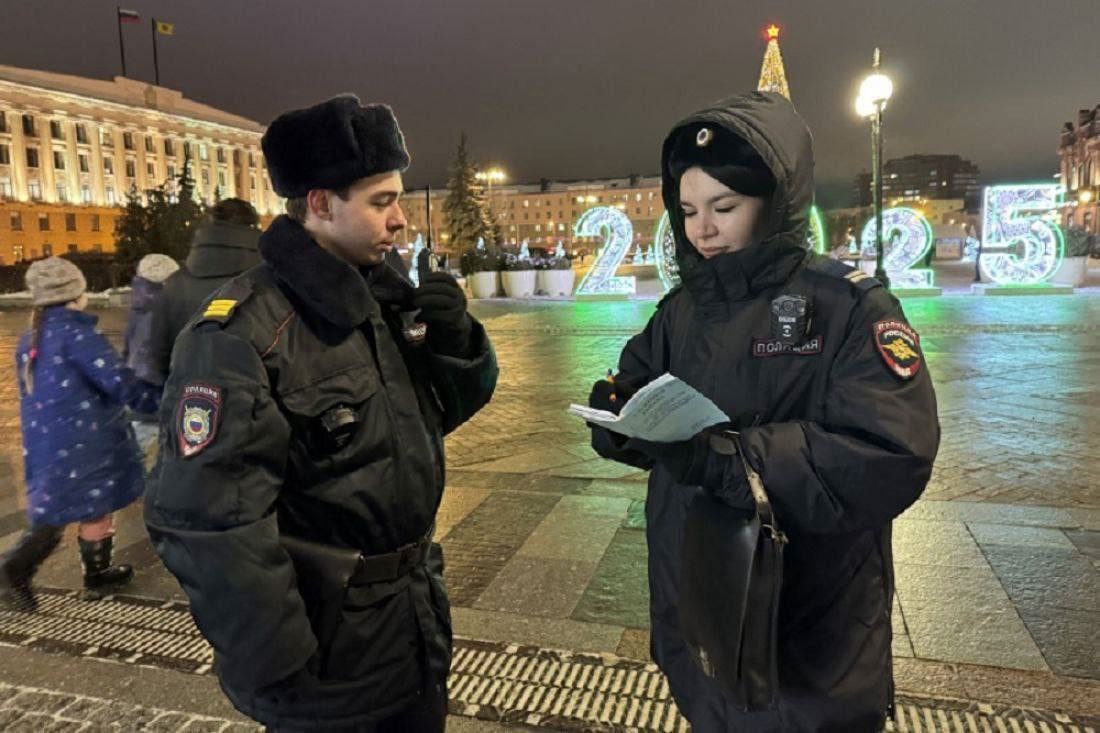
x: 617, y: 231
x: 1013, y: 219
x: 908, y: 237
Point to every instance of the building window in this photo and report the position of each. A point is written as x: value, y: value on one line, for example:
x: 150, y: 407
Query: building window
x: 58, y: 160
x: 252, y: 182
x: 169, y: 147
x: 109, y: 166
x: 82, y: 162
x: 150, y: 169
x: 55, y: 130
x: 32, y: 157
x: 70, y: 222
x: 3, y: 122
x: 29, y: 128
x: 17, y: 252
x: 171, y: 171
x: 97, y: 247
x: 5, y: 155
x: 205, y: 177
x: 105, y: 138
x: 81, y: 133
x: 86, y: 194
x: 131, y: 168
x: 47, y: 250
x: 62, y: 192
x: 95, y: 222
x: 34, y: 189
x: 204, y: 153
x: 5, y: 188
x: 43, y: 222
x: 221, y: 155
x: 16, y: 220
x: 251, y: 160
x: 110, y: 193
x: 149, y: 144
x: 221, y: 178
x: 128, y: 140
x: 72, y: 249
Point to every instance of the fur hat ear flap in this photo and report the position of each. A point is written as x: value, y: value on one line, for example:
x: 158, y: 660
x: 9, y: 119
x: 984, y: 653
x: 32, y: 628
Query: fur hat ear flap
x: 331, y: 145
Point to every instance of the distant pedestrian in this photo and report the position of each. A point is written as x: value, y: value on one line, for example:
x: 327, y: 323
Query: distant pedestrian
x: 222, y: 248
x: 80, y: 457
x: 137, y: 348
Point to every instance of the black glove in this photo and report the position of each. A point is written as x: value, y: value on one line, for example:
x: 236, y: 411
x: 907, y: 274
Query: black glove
x: 685, y: 461
x: 604, y: 389
x: 442, y: 306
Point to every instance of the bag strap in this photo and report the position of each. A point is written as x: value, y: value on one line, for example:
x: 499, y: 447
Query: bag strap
x: 728, y: 442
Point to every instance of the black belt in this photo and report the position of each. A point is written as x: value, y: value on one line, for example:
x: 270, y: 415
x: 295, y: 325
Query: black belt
x: 392, y: 565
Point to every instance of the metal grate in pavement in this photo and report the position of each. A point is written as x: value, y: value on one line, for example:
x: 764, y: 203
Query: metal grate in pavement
x: 510, y: 683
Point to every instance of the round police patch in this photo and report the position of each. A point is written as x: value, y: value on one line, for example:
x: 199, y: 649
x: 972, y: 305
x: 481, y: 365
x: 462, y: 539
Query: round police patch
x: 899, y: 346
x: 197, y: 417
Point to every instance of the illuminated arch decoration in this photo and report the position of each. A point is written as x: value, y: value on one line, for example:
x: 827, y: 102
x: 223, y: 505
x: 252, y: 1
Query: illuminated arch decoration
x: 617, y: 232
x: 815, y: 234
x: 1021, y: 243
x: 665, y: 246
x: 908, y: 238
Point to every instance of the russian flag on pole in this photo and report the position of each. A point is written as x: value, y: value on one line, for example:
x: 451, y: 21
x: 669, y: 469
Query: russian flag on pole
x: 128, y: 16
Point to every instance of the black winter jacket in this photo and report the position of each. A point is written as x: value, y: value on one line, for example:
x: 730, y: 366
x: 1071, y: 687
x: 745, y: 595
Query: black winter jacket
x: 843, y: 440
x: 247, y: 456
x: 219, y: 252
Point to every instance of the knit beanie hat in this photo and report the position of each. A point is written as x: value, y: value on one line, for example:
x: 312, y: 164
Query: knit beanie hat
x: 54, y: 280
x: 156, y: 267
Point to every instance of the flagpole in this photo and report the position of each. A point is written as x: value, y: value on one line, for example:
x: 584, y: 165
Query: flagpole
x: 156, y: 64
x: 121, y: 47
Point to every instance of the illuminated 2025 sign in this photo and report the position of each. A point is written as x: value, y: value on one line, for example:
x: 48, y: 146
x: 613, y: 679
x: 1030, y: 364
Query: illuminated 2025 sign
x: 908, y: 238
x: 1021, y: 245
x: 617, y: 232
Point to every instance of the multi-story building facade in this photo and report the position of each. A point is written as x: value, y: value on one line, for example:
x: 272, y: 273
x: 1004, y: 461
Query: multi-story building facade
x: 545, y: 213
x: 916, y: 177
x: 72, y: 149
x: 1079, y: 151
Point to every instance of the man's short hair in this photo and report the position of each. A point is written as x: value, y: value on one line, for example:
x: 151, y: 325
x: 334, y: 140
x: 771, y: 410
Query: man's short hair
x: 297, y: 208
x: 235, y: 211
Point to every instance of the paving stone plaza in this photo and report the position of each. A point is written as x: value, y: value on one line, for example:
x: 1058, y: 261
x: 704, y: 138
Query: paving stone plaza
x: 998, y: 565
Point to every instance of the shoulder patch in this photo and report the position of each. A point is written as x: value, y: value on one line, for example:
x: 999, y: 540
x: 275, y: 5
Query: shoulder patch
x: 225, y: 302
x: 197, y: 417
x: 858, y: 279
x: 899, y: 346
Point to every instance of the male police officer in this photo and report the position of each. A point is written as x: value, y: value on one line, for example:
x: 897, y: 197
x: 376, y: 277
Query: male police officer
x: 302, y: 454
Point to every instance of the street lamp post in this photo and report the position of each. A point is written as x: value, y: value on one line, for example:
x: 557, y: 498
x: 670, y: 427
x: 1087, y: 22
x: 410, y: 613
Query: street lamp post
x: 874, y: 93
x: 490, y: 176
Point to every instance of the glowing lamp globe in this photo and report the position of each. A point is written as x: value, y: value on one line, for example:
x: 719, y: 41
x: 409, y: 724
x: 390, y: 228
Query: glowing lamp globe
x: 864, y: 107
x: 876, y: 89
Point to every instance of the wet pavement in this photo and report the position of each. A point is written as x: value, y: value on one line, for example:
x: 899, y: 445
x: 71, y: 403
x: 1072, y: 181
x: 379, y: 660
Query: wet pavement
x: 998, y: 565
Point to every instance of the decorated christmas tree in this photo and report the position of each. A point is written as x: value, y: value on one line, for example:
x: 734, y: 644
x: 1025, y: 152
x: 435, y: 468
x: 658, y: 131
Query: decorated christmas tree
x: 464, y: 210
x: 772, y: 76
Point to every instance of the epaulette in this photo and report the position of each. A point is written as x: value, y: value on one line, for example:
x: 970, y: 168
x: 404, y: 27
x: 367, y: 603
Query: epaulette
x: 225, y: 302
x: 672, y: 291
x: 857, y: 278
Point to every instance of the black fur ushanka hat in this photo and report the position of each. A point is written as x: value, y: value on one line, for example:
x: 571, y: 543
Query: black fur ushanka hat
x: 331, y: 145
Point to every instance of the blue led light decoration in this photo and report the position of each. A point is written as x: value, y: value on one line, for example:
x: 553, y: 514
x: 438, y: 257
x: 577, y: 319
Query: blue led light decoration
x: 665, y: 246
x: 414, y: 271
x: 815, y: 233
x: 617, y: 232
x: 1021, y: 242
x: 908, y: 238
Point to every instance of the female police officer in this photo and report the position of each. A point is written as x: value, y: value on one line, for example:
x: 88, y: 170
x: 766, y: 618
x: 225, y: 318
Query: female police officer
x: 835, y: 411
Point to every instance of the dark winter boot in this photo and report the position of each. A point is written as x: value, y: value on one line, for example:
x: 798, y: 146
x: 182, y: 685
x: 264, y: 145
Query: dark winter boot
x: 20, y: 564
x: 100, y: 576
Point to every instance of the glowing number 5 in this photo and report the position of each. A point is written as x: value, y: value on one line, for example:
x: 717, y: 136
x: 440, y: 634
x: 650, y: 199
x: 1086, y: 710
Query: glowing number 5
x: 1019, y: 245
x: 617, y: 231
x: 907, y: 237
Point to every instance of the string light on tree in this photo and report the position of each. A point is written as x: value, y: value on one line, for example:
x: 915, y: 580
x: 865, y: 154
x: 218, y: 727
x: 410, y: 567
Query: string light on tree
x: 773, y: 78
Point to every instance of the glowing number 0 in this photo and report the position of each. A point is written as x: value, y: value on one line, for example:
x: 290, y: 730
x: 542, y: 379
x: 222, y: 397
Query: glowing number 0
x: 908, y: 237
x: 1026, y: 247
x: 665, y: 245
x: 615, y: 227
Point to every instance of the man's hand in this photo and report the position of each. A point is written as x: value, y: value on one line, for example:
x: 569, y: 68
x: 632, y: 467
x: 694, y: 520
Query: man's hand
x: 442, y: 306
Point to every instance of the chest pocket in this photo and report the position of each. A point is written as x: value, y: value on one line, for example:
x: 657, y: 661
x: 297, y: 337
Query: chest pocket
x: 338, y: 414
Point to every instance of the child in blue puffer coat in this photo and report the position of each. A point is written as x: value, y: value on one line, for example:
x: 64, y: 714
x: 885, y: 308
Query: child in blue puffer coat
x: 80, y: 457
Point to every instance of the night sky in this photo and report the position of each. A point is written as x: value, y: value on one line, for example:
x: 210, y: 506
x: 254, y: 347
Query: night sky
x: 571, y: 88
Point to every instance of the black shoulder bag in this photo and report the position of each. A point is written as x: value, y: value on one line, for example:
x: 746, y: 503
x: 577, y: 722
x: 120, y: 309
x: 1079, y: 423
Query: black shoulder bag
x: 730, y: 578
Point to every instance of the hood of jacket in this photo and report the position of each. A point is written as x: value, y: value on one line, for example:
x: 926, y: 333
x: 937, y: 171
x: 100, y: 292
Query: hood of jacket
x: 143, y: 292
x: 769, y: 123
x: 219, y: 249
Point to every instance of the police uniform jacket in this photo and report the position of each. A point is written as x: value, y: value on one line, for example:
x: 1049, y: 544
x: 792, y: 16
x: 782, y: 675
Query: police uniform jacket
x: 841, y: 426
x: 300, y: 404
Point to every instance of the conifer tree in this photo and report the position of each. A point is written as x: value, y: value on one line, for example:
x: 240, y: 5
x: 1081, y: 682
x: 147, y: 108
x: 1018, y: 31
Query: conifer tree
x: 773, y: 78
x: 464, y: 210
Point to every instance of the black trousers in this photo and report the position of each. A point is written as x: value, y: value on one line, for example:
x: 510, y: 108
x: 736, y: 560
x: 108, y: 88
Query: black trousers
x: 427, y: 716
